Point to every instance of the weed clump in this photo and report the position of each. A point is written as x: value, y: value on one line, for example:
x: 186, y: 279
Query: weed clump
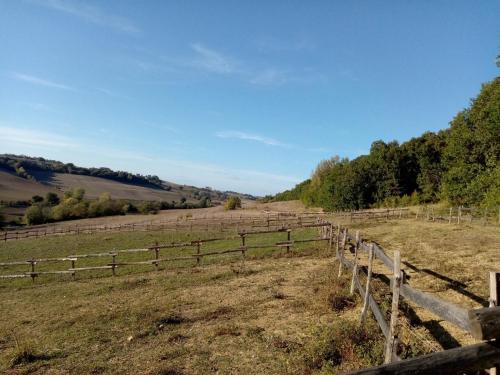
x: 345, y: 343
x: 26, y: 353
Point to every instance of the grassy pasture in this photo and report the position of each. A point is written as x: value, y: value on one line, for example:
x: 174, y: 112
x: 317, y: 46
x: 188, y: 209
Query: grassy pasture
x: 63, y: 246
x: 274, y: 314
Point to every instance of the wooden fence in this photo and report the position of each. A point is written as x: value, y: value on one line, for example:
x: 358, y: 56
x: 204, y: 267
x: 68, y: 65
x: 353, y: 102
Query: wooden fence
x: 482, y: 324
x: 373, y: 214
x: 195, y: 248
x: 212, y: 223
x: 459, y: 215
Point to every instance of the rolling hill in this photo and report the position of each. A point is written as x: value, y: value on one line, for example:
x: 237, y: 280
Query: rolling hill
x: 22, y: 177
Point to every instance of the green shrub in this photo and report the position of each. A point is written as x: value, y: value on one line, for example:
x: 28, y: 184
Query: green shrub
x: 149, y: 207
x: 36, y: 214
x: 232, y: 203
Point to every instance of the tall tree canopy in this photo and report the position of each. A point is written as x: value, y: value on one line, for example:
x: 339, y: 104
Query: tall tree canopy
x: 460, y: 165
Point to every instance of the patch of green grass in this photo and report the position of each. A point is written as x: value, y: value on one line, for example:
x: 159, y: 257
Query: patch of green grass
x: 64, y: 246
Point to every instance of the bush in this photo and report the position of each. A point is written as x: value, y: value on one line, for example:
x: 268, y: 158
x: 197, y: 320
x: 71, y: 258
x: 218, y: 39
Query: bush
x: 36, y: 199
x: 52, y: 199
x: 232, y: 203
x: 36, y: 214
x: 149, y: 207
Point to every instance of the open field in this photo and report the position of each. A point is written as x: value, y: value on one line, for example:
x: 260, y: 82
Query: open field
x: 274, y: 314
x: 14, y: 188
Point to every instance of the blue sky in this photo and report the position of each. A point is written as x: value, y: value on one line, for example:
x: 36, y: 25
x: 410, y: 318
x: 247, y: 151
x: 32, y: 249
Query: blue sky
x: 236, y: 95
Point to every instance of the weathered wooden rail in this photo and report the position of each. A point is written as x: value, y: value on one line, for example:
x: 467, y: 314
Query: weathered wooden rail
x: 192, y: 248
x: 207, y: 223
x: 459, y: 215
x: 212, y: 223
x: 482, y: 324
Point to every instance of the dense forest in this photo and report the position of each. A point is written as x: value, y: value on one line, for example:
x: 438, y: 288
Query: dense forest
x: 459, y: 165
x: 21, y: 165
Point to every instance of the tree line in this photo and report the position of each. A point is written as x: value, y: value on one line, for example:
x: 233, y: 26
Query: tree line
x: 73, y: 205
x: 23, y: 165
x: 459, y: 165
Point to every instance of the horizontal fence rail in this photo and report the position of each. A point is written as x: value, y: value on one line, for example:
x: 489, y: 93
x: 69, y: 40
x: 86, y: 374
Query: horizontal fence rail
x: 193, y: 250
x: 189, y: 224
x: 482, y: 324
x: 213, y: 222
x: 459, y: 215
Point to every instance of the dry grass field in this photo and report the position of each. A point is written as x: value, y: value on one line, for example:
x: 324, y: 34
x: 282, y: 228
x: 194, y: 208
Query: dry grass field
x: 14, y: 188
x: 272, y: 314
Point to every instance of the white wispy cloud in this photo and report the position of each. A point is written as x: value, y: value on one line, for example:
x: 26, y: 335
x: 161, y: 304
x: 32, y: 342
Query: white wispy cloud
x: 34, y: 138
x: 234, y: 134
x: 91, y: 14
x: 251, y: 137
x: 212, y: 60
x: 41, y: 81
x: 91, y: 152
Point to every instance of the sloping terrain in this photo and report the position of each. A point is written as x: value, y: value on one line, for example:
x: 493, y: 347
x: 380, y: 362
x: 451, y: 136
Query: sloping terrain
x: 15, y: 188
x: 22, y: 177
x: 95, y: 186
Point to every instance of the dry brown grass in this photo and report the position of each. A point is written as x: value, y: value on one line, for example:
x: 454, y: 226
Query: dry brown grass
x: 271, y: 316
x: 210, y: 320
x: 450, y: 261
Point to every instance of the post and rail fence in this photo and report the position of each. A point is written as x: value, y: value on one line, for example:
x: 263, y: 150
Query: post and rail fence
x: 483, y: 324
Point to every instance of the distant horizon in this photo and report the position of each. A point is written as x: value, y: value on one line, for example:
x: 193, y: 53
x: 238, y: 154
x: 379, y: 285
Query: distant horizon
x: 230, y: 95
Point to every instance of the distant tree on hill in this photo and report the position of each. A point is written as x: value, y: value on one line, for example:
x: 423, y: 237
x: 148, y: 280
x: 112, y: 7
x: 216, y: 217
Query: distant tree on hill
x: 52, y: 199
x: 36, y: 199
x: 232, y: 203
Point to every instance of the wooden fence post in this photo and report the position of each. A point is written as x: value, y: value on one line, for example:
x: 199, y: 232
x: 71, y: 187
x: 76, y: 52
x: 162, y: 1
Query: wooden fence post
x: 113, y: 266
x: 198, y: 245
x: 341, y: 252
x: 33, y: 262
x: 390, y: 348
x: 157, y: 255
x: 368, y: 281
x: 330, y: 239
x: 494, y: 301
x: 355, y: 267
x: 73, y: 274
x: 460, y: 214
x: 337, y: 245
x: 288, y: 238
x: 449, y: 218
